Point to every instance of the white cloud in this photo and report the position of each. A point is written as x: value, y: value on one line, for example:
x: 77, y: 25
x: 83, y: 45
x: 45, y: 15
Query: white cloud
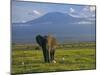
x: 36, y: 12
x: 92, y: 8
x: 23, y: 21
x: 89, y: 9
x: 74, y: 15
x: 83, y: 22
x: 86, y: 8
x: 91, y: 19
x: 72, y: 10
x: 86, y: 12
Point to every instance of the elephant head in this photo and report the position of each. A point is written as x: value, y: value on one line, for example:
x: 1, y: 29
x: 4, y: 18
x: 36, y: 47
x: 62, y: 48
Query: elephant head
x: 48, y: 45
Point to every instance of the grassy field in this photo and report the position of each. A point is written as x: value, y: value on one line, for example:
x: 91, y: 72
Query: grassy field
x: 72, y: 56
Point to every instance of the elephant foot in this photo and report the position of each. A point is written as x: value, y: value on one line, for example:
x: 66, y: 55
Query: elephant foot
x: 47, y: 61
x: 54, y: 61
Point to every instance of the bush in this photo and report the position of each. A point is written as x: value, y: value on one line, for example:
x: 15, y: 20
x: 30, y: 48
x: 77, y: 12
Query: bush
x: 37, y: 48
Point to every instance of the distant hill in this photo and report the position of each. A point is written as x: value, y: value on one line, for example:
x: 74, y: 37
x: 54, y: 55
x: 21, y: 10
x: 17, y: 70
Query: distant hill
x: 61, y: 25
x: 55, y: 18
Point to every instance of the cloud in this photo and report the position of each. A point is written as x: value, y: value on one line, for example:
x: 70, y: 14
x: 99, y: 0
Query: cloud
x: 83, y: 22
x: 89, y: 11
x: 91, y: 19
x: 72, y: 10
x: 23, y: 21
x: 74, y: 15
x: 36, y: 12
x: 92, y: 8
x: 89, y: 8
x: 85, y: 8
x: 85, y: 12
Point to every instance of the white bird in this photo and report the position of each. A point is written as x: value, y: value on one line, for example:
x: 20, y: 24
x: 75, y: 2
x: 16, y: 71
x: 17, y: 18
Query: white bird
x: 63, y: 58
x: 22, y: 63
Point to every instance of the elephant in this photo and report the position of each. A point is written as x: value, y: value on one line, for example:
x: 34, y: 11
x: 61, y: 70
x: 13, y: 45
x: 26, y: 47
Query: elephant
x: 48, y: 44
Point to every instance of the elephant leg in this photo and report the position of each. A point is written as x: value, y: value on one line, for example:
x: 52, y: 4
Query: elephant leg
x: 49, y: 56
x: 52, y: 54
x: 44, y: 54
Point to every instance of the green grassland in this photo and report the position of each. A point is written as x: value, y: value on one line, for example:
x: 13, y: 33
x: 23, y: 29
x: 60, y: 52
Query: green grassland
x: 28, y: 58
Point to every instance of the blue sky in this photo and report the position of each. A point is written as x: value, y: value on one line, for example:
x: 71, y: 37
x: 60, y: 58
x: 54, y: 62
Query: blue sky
x: 26, y: 11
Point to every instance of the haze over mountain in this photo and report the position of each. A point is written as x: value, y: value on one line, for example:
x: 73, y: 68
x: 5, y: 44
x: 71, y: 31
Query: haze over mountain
x: 61, y: 25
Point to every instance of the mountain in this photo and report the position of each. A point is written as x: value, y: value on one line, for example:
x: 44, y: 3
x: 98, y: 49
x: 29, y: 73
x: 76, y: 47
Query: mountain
x: 61, y: 25
x: 54, y: 17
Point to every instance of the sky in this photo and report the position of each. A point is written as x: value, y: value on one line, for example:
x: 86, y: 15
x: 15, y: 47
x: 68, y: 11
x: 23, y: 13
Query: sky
x: 26, y: 11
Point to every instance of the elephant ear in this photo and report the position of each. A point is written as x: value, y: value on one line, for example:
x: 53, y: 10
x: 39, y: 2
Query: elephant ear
x: 39, y: 40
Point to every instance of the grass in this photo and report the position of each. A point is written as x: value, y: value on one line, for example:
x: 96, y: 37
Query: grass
x: 68, y: 59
